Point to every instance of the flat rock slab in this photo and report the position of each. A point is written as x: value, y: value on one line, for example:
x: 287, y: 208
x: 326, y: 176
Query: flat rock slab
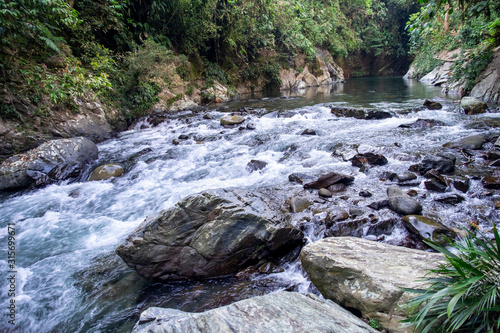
x: 278, y: 312
x: 367, y: 276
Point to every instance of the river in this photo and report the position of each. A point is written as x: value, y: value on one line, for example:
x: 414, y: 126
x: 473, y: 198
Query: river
x: 68, y: 278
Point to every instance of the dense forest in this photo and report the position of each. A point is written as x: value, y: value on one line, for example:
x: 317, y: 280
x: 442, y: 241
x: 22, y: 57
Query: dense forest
x: 125, y: 52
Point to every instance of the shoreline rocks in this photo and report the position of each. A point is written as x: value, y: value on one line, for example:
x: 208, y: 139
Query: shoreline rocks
x: 367, y: 276
x: 272, y: 313
x: 50, y: 162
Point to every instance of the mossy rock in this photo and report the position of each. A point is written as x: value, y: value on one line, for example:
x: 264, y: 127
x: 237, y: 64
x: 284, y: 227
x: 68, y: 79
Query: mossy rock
x: 106, y: 171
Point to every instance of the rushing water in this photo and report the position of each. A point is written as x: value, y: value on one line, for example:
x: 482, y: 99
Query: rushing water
x: 68, y: 277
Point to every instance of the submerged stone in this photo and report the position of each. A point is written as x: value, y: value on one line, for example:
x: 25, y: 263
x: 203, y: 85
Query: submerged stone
x: 428, y: 228
x: 106, y: 171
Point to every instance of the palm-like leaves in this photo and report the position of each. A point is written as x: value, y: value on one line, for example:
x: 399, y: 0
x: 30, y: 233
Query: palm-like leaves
x: 463, y: 294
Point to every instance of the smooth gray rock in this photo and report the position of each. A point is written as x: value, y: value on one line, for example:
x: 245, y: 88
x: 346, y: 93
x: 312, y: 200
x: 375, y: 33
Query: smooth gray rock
x: 208, y: 235
x: 401, y: 202
x: 472, y: 142
x: 232, y: 120
x: 279, y: 312
x: 488, y: 85
x: 367, y: 276
x: 299, y: 204
x: 50, y: 162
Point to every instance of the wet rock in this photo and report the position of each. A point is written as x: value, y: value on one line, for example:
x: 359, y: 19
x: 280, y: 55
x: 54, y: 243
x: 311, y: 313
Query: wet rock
x: 428, y: 228
x: 442, y: 162
x: 367, y: 276
x: 423, y: 123
x: 401, y: 202
x: 344, y: 228
x: 490, y: 182
x: 176, y: 142
x: 385, y: 227
x: 431, y: 105
x: 472, y: 106
x: 461, y: 184
x: 299, y: 204
x: 375, y: 114
x: 434, y: 185
x: 360, y: 160
x: 348, y: 112
x: 406, y: 176
x: 336, y: 188
x: 387, y: 175
x: 106, y: 171
x: 378, y: 205
x: 323, y: 192
x: 255, y: 165
x: 495, y: 163
x: 328, y: 180
x: 308, y: 132
x: 50, y: 162
x: 472, y: 142
x: 208, y: 235
x: 269, y: 313
x: 232, y: 120
x: 365, y: 194
x: 450, y: 199
x: 300, y: 178
x: 360, y: 113
x: 412, y: 193
x: 492, y: 155
x: 434, y: 175
x: 335, y: 216
x: 355, y: 212
x: 251, y: 126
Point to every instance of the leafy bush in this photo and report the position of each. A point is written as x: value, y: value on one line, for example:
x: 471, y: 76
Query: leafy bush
x: 464, y: 292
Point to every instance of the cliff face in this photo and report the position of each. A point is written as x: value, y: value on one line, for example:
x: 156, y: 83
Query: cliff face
x: 486, y: 89
x: 488, y: 86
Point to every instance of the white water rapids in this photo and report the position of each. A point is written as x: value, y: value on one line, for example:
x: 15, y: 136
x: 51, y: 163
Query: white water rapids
x: 64, y: 230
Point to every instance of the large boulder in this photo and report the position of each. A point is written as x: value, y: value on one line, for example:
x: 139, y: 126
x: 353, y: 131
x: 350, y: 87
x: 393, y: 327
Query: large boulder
x: 273, y: 313
x: 50, y: 162
x: 367, y: 276
x: 401, y: 202
x: 208, y: 235
x: 472, y: 105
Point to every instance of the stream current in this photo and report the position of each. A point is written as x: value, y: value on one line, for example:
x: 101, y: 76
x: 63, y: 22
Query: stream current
x: 68, y: 278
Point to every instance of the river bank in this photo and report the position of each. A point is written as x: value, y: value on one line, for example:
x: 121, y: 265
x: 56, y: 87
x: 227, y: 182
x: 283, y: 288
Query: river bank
x: 68, y: 231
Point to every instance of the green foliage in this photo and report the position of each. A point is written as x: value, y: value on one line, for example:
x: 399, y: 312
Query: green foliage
x: 463, y: 294
x: 213, y: 72
x: 472, y: 67
x: 143, y: 97
x: 374, y: 324
x: 29, y: 23
x: 9, y: 112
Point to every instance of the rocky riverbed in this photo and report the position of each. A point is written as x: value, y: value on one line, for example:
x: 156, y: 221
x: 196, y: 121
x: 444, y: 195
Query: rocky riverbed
x: 237, y: 202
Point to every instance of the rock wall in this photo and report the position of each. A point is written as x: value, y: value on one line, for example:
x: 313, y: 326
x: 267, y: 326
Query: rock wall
x: 33, y: 127
x: 488, y: 86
